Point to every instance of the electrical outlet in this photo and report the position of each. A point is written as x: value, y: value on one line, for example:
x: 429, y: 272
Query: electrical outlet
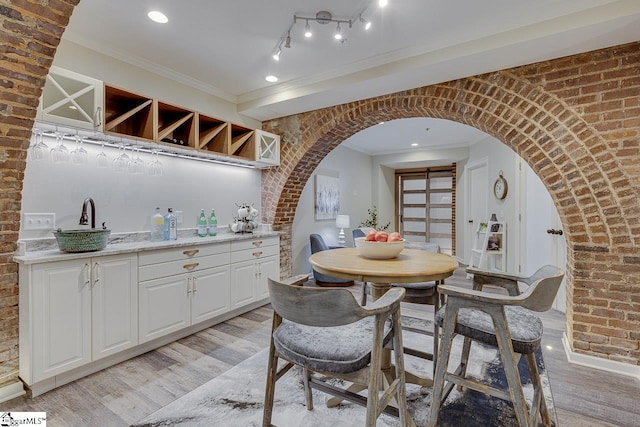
x: 179, y: 217
x: 39, y: 221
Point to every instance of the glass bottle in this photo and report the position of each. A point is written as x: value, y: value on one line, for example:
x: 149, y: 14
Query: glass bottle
x: 170, y: 226
x: 157, y: 226
x: 213, y: 223
x: 202, y: 224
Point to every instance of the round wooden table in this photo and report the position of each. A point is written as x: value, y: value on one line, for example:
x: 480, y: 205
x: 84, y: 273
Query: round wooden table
x: 411, y: 266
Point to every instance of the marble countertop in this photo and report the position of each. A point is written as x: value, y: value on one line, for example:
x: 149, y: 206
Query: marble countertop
x: 121, y: 246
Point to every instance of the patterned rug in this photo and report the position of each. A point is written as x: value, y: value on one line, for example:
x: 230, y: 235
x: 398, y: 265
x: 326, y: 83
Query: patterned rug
x: 235, y: 399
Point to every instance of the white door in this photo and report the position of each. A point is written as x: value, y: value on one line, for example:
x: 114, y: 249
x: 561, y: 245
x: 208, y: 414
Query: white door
x: 209, y: 293
x: 243, y: 279
x: 61, y: 317
x: 544, y: 241
x: 114, y: 304
x: 267, y: 268
x: 164, y: 306
x: 477, y: 196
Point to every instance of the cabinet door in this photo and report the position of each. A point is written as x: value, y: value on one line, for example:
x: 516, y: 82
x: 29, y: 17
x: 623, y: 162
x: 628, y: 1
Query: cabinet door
x: 163, y: 306
x: 72, y: 99
x: 209, y: 293
x: 267, y: 147
x: 114, y: 304
x: 267, y: 268
x: 243, y: 278
x: 61, y: 317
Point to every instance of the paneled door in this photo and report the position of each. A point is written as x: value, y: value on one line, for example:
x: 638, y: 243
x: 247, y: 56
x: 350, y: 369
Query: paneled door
x: 425, y: 206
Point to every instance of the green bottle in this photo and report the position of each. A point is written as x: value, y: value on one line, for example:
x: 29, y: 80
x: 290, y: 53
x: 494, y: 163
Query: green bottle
x: 213, y: 223
x: 202, y: 224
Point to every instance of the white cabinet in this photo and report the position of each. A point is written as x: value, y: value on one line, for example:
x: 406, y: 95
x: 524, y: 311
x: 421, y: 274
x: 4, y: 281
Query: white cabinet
x: 74, y: 312
x: 182, y: 287
x: 71, y: 99
x: 267, y: 148
x: 252, y: 263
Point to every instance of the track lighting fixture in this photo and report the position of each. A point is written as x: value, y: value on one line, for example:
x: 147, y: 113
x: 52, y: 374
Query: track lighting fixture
x: 324, y: 17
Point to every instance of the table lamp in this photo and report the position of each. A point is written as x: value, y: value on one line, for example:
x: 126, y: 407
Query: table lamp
x: 342, y: 222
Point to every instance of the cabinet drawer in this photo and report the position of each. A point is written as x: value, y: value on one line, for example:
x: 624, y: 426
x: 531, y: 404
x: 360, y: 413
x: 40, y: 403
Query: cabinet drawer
x: 180, y: 254
x: 254, y: 253
x: 170, y: 268
x: 255, y: 243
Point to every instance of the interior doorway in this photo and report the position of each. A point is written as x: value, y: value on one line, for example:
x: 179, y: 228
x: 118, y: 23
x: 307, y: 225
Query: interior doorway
x: 424, y: 206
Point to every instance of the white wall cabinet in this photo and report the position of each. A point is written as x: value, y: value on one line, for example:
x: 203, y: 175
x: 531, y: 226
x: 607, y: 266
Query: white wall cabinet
x: 71, y: 99
x: 74, y: 312
x: 267, y: 148
x: 182, y: 287
x: 252, y: 263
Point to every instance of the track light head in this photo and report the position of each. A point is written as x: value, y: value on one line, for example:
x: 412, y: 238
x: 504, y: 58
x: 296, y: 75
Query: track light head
x: 366, y: 22
x: 338, y: 34
x: 276, y: 55
x: 307, y: 30
x: 287, y: 42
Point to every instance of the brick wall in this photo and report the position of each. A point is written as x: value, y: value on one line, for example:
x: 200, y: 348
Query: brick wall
x: 30, y: 32
x: 576, y: 121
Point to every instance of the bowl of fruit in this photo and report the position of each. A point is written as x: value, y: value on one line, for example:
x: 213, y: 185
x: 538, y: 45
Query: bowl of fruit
x: 380, y: 245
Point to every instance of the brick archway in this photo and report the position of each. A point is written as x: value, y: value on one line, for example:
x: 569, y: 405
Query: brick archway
x: 561, y: 132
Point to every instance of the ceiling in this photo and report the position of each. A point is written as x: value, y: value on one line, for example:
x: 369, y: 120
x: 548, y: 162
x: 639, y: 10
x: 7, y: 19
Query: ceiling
x: 225, y: 47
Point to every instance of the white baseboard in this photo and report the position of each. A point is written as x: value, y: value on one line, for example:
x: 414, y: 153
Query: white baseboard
x: 11, y: 391
x: 599, y: 363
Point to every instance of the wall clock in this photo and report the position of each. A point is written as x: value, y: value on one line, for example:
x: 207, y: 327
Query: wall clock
x: 500, y: 187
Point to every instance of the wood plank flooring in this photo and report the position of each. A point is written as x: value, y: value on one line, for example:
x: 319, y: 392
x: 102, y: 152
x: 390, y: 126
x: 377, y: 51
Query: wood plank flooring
x: 129, y: 391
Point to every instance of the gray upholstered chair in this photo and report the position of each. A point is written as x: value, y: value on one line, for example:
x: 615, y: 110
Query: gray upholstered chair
x: 325, y: 331
x: 318, y: 244
x: 505, y: 322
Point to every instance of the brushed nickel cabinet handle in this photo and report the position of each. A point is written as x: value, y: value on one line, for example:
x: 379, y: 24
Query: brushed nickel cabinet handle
x: 191, y: 266
x: 191, y: 252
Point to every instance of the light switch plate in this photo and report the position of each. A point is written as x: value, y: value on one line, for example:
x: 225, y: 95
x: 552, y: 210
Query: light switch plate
x: 39, y: 221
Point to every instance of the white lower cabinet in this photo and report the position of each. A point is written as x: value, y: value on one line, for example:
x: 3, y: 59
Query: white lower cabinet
x: 191, y: 288
x: 252, y: 263
x: 74, y: 312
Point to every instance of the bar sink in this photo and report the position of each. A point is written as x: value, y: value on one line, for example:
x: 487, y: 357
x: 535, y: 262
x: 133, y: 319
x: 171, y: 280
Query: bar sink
x: 82, y: 240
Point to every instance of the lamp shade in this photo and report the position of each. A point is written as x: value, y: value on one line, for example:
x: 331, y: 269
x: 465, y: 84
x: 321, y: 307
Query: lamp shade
x: 342, y: 221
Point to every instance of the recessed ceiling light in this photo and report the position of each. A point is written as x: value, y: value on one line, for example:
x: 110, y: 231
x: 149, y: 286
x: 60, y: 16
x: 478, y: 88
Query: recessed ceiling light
x: 414, y: 144
x: 382, y: 3
x: 158, y: 17
x: 271, y: 79
x: 381, y: 123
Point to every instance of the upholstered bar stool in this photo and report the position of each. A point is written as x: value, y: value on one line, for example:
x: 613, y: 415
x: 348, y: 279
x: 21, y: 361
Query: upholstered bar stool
x: 506, y: 322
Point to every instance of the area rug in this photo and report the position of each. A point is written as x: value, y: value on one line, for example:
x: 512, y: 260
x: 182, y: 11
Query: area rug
x: 235, y: 399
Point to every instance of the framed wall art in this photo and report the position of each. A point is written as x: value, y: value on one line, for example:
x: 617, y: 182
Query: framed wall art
x: 327, y: 197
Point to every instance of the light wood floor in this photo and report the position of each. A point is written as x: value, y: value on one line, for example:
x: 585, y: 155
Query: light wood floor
x: 129, y: 391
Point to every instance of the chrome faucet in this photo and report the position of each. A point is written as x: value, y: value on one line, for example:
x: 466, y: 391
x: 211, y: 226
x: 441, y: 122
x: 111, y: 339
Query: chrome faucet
x: 84, y: 218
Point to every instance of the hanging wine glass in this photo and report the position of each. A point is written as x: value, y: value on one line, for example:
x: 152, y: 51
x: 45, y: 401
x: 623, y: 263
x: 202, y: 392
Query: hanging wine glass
x: 101, y: 157
x: 79, y: 155
x: 155, y: 167
x: 39, y: 150
x: 136, y: 166
x: 59, y: 153
x: 121, y: 163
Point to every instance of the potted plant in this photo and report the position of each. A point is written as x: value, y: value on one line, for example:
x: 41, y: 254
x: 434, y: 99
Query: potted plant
x: 372, y: 221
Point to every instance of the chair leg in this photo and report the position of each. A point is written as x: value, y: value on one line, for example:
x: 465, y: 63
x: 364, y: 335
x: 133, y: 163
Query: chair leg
x: 537, y: 389
x: 450, y: 318
x: 509, y: 361
x: 271, y: 385
x: 401, y: 392
x: 464, y: 359
x: 308, y: 393
x: 375, y: 374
